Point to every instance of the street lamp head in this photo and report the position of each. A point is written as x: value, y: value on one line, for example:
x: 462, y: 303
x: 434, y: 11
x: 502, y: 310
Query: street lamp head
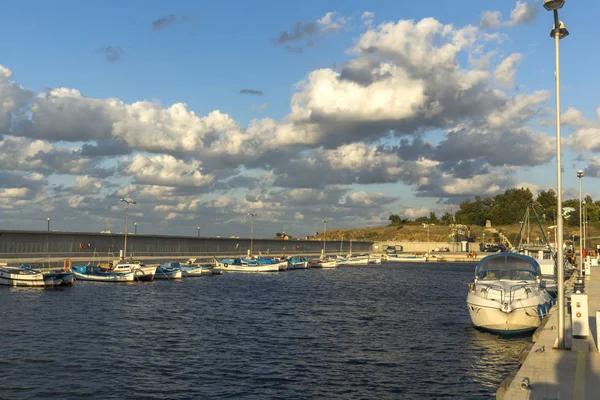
x: 123, y: 200
x: 562, y: 30
x: 580, y: 173
x: 552, y: 5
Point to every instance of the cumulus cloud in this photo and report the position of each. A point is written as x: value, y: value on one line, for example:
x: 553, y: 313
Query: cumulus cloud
x: 367, y: 18
x: 166, y: 171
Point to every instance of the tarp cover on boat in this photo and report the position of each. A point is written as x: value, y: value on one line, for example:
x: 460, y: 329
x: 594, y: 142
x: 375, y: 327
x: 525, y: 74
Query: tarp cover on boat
x: 508, y: 261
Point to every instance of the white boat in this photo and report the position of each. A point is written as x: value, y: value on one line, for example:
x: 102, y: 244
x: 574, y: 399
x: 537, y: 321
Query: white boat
x: 508, y: 294
x: 404, y: 257
x: 236, y: 265
x: 96, y: 274
x: 142, y: 272
x: 323, y: 262
x: 168, y: 272
x: 25, y: 276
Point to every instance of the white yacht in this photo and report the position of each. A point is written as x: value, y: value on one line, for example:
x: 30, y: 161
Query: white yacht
x: 508, y: 294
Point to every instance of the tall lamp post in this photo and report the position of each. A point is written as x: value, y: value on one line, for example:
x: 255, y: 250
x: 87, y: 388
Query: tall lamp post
x: 48, y: 224
x: 135, y: 227
x: 558, y: 32
x: 584, y: 224
x: 580, y: 175
x: 127, y: 203
x: 251, y: 215
x: 198, y: 231
x: 324, y: 234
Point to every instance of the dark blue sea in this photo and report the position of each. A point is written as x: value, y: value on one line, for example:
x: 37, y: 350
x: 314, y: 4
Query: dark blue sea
x: 397, y: 331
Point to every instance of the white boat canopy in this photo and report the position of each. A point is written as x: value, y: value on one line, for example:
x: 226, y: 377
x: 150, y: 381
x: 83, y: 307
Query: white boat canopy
x: 508, y: 266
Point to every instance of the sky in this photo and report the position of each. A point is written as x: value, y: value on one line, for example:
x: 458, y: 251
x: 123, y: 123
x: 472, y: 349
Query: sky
x: 341, y: 110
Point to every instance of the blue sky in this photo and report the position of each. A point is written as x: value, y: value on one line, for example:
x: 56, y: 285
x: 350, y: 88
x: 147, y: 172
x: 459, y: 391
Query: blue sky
x: 316, y: 132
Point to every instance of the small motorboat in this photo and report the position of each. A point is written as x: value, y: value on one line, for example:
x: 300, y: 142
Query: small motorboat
x: 168, y: 271
x: 238, y: 265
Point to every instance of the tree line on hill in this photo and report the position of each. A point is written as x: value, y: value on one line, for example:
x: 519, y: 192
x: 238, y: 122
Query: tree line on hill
x: 509, y: 208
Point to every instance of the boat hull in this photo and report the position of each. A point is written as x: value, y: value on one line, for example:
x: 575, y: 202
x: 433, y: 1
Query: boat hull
x: 524, y: 315
x: 126, y: 277
x: 226, y: 267
x: 32, y: 278
x: 169, y: 274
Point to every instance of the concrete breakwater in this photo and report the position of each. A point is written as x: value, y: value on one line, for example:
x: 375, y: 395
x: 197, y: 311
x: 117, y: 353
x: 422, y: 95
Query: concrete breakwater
x: 43, y: 245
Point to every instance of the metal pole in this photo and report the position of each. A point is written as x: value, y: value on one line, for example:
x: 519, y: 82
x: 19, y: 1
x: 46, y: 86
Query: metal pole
x: 428, y: 239
x: 126, y: 229
x: 324, y: 235
x: 198, y: 231
x: 580, y: 231
x: 48, y: 224
x: 559, y: 216
x: 135, y: 227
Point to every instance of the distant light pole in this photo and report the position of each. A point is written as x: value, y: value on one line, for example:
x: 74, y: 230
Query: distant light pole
x: 580, y: 176
x: 251, y: 215
x: 427, y: 226
x: 325, y: 222
x: 558, y: 32
x: 198, y: 231
x: 585, y: 224
x: 135, y: 227
x: 127, y: 203
x: 48, y: 224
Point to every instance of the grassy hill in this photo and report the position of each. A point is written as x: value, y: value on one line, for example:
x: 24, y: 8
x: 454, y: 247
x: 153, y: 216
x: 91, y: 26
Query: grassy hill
x: 439, y: 233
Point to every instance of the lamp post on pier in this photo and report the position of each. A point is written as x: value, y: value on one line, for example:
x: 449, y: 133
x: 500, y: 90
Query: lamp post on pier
x: 198, y: 231
x: 559, y: 31
x: 48, y: 224
x: 251, y: 215
x: 325, y: 222
x: 580, y: 176
x: 127, y: 203
x: 135, y: 227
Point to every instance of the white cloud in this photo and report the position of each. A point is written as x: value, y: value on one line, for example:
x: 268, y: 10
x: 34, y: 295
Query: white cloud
x: 367, y: 18
x: 330, y: 23
x: 525, y: 12
x: 491, y: 20
x: 506, y: 71
x: 166, y: 171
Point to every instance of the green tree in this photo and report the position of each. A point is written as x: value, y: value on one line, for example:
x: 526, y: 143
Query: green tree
x: 547, y: 201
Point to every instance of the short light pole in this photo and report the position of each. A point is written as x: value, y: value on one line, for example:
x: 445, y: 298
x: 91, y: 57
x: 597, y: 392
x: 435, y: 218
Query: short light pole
x: 324, y: 234
x: 251, y: 215
x: 48, y: 224
x: 198, y: 228
x: 559, y: 31
x: 127, y: 203
x: 580, y: 176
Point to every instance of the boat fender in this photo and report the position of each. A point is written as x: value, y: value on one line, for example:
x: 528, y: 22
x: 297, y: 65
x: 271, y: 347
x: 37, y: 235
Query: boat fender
x: 67, y: 264
x: 225, y: 265
x: 541, y: 311
x: 81, y: 246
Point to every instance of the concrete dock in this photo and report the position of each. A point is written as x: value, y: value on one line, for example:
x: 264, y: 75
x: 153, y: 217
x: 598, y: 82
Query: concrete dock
x: 549, y: 373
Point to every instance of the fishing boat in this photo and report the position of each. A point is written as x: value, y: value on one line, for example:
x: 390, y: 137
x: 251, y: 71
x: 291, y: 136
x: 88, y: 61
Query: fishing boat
x: 142, y: 272
x: 168, y: 271
x: 193, y: 269
x: 297, y: 263
x: 237, y: 265
x: 404, y: 257
x: 508, y: 294
x: 96, y: 273
x: 24, y: 275
x: 323, y: 262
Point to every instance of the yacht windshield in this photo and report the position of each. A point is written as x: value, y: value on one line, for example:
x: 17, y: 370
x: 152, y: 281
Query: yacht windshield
x: 513, y: 275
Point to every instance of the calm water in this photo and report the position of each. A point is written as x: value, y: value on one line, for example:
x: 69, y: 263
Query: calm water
x: 385, y: 332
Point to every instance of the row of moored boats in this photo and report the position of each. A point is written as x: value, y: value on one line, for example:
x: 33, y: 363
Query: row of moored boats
x: 132, y: 270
